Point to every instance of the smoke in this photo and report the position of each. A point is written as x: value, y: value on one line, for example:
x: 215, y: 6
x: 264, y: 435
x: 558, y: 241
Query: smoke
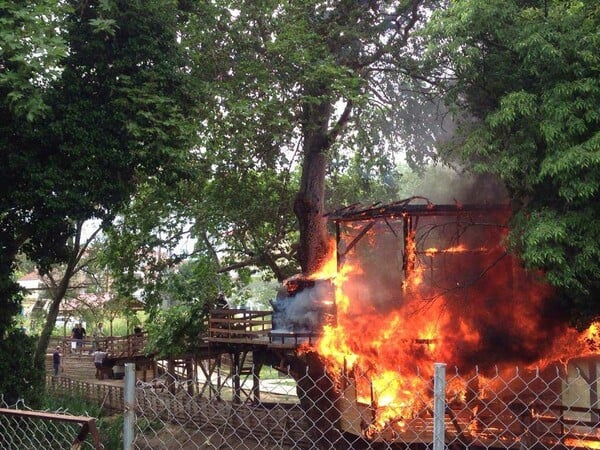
x: 445, y: 185
x: 305, y: 310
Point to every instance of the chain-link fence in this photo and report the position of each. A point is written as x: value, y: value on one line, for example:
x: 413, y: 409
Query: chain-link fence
x: 552, y: 408
x: 22, y: 428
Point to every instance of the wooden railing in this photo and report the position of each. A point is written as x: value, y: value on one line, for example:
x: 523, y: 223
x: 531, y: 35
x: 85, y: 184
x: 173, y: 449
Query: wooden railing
x: 116, y: 346
x: 125, y: 346
x: 294, y: 339
x: 238, y: 325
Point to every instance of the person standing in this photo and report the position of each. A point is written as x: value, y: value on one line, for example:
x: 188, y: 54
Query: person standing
x: 56, y: 360
x: 99, y: 356
x: 138, y: 340
x: 78, y: 334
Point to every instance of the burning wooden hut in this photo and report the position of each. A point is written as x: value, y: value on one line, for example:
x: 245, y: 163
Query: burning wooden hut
x: 413, y: 283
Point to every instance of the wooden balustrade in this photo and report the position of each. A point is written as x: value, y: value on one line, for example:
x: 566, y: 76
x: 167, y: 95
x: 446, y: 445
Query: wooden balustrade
x: 116, y: 346
x: 238, y: 325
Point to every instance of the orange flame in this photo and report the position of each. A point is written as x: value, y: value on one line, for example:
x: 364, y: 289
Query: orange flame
x: 388, y: 350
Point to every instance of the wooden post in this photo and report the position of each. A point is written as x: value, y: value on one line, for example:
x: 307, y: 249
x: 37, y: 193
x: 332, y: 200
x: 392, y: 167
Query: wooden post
x: 255, y: 379
x: 236, y: 377
x: 219, y: 381
x: 189, y: 370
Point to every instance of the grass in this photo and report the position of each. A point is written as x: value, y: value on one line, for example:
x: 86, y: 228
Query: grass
x: 269, y: 373
x: 110, y: 427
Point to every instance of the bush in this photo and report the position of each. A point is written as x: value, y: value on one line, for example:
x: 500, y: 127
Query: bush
x: 22, y: 378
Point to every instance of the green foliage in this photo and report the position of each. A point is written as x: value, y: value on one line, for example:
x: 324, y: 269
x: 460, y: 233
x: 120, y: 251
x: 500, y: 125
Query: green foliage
x: 22, y: 378
x: 359, y: 181
x: 271, y: 74
x: 188, y: 293
x: 30, y: 49
x: 528, y: 76
x: 94, y: 99
x: 195, y: 281
x: 177, y: 330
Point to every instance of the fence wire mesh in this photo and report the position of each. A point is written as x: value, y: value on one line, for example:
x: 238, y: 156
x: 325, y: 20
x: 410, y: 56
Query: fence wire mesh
x: 22, y: 428
x: 505, y: 409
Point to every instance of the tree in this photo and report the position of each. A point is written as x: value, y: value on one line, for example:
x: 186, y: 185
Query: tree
x: 119, y: 108
x: 266, y: 68
x: 21, y: 379
x: 275, y: 76
x: 59, y: 284
x: 29, y: 52
x: 297, y: 82
x: 524, y: 79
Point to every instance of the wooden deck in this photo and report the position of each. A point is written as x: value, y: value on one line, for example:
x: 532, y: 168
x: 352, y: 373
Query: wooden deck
x: 237, y: 343
x: 239, y: 326
x: 224, y: 327
x: 254, y: 328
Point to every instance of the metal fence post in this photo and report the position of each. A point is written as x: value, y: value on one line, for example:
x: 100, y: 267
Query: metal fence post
x: 439, y: 405
x: 129, y: 400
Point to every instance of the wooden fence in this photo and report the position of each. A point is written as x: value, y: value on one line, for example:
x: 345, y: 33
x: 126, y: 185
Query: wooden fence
x: 106, y: 395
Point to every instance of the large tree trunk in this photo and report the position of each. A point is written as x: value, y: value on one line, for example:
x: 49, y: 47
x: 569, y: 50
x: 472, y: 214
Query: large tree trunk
x: 309, y: 205
x: 309, y: 208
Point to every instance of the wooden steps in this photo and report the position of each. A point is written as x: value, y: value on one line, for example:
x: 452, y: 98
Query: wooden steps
x: 74, y: 366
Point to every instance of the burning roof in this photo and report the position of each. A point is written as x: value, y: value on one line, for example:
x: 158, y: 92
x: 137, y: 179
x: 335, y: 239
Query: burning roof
x: 406, y: 207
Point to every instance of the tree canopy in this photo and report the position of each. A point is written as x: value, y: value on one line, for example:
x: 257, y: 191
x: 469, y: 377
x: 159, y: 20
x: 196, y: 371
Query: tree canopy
x: 524, y: 77
x: 304, y: 83
x: 29, y: 52
x: 108, y: 105
x: 297, y: 97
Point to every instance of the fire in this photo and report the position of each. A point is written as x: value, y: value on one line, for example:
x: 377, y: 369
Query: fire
x: 415, y: 275
x: 395, y: 397
x: 468, y: 305
x: 329, y: 268
x: 432, y: 251
x: 337, y: 351
x: 580, y: 443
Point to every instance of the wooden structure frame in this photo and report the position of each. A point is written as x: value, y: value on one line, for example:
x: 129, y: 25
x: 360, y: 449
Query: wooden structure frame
x: 404, y: 210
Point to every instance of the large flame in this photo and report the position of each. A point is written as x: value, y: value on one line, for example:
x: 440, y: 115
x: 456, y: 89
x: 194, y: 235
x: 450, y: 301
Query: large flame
x: 459, y: 304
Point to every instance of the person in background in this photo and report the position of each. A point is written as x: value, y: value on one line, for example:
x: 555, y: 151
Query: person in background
x: 138, y: 339
x: 221, y: 301
x: 99, y: 356
x: 78, y: 334
x: 56, y: 360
